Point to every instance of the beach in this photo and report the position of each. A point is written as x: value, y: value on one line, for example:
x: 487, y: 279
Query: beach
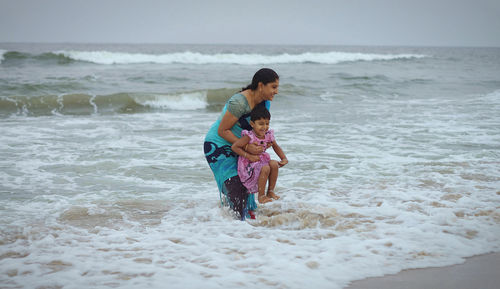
x: 394, y: 164
x: 476, y: 272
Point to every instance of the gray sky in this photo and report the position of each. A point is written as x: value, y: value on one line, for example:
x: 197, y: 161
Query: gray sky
x: 336, y: 22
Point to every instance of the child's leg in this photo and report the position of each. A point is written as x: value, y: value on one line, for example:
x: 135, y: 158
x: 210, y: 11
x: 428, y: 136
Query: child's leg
x: 264, y: 175
x: 273, y: 177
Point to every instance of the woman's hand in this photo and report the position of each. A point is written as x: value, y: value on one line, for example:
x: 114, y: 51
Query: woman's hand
x: 253, y: 158
x: 254, y: 149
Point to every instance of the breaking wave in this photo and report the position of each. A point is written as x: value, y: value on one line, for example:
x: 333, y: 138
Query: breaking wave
x: 187, y: 57
x: 126, y: 102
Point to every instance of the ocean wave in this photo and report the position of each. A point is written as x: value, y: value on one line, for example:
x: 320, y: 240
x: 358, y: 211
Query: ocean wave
x: 2, y: 52
x: 126, y: 102
x: 7, y: 56
x: 494, y: 95
x: 187, y: 57
x: 106, y: 57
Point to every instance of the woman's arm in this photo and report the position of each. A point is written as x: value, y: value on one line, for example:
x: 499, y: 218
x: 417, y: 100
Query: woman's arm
x: 238, y: 146
x: 226, y: 123
x: 224, y: 130
x: 277, y: 149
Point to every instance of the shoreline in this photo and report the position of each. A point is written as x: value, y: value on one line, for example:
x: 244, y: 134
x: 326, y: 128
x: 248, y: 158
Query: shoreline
x: 480, y: 271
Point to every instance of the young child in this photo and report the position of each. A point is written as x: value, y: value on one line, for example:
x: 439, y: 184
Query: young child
x: 255, y: 170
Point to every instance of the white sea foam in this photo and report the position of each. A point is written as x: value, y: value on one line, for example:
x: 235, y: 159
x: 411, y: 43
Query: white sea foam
x: 106, y: 57
x: 179, y: 101
x: 494, y: 96
x: 2, y: 52
x: 129, y: 201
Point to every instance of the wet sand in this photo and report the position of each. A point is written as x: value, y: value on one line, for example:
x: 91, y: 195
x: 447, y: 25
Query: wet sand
x: 478, y: 272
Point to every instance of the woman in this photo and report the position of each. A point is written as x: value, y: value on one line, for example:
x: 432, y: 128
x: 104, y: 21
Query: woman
x: 227, y: 129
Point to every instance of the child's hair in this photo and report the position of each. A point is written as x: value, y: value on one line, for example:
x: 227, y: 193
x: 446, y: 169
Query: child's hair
x: 260, y: 111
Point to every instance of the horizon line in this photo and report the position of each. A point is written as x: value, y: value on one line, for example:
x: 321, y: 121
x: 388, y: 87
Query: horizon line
x: 252, y: 44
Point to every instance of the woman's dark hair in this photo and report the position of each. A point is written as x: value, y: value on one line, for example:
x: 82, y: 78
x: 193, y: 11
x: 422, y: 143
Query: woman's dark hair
x: 259, y: 112
x: 264, y: 75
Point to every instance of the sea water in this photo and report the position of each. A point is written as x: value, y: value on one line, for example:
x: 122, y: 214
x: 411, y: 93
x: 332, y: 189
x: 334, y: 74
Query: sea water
x: 394, y: 163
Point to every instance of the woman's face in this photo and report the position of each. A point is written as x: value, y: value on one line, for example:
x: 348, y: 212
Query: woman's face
x: 270, y: 89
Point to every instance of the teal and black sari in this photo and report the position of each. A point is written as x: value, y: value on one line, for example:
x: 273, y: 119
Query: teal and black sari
x: 224, y: 162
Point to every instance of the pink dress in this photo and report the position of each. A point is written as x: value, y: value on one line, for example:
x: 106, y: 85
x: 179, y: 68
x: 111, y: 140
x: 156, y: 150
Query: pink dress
x: 249, y: 172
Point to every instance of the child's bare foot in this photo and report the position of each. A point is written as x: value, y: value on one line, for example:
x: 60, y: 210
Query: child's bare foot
x: 272, y: 195
x: 264, y: 199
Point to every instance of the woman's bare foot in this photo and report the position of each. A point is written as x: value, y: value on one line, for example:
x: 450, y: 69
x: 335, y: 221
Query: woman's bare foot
x: 272, y: 195
x: 264, y: 199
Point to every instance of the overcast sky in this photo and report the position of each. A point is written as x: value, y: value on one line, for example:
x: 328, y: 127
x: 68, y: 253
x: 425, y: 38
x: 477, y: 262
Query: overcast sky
x: 335, y: 22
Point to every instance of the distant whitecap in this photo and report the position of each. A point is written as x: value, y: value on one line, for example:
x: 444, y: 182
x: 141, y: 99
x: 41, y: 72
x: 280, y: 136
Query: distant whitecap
x: 333, y: 57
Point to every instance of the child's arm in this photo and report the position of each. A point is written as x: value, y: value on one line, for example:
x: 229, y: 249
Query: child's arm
x: 277, y: 149
x: 238, y: 146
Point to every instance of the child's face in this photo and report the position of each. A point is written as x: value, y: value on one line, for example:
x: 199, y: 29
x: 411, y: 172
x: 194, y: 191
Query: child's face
x: 260, y: 126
